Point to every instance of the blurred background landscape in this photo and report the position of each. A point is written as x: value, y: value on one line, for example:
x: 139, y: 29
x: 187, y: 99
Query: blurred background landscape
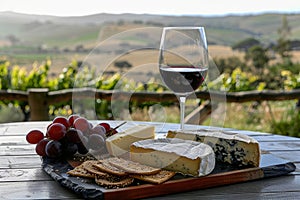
x: 27, y: 38
x: 252, y: 52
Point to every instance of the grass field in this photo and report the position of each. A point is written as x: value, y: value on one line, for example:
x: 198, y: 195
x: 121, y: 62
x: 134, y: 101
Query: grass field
x: 256, y: 116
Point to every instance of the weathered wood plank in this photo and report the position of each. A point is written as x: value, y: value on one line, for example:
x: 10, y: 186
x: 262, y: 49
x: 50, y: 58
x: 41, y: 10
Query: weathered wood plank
x: 270, y: 138
x: 246, y: 96
x: 35, y: 190
x: 83, y: 93
x: 20, y: 162
x: 257, y: 196
x: 17, y: 150
x: 247, y: 132
x: 280, y: 146
x: 38, y: 103
x: 21, y: 139
x: 12, y: 95
x: 21, y: 176
x: 272, y: 187
x: 13, y: 140
x: 293, y: 156
x: 18, y: 175
x: 21, y: 128
x: 255, y: 189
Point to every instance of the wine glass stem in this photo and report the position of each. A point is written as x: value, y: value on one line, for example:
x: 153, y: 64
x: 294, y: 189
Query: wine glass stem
x: 182, y: 111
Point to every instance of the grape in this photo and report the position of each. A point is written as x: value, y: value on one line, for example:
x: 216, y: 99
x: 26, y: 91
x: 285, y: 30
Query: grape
x: 74, y: 135
x: 82, y: 124
x: 91, y: 125
x: 67, y: 136
x: 34, y: 136
x: 84, y: 139
x: 62, y: 120
x: 72, y: 118
x: 40, y: 148
x: 49, y: 126
x: 82, y: 145
x: 54, y: 149
x: 105, y: 125
x: 98, y: 129
x: 96, y: 142
x: 47, y: 135
x: 56, y: 131
x: 70, y: 149
x: 81, y: 148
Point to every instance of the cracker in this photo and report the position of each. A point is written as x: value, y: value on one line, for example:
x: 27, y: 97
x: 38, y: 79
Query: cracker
x: 114, y: 181
x: 80, y: 171
x: 89, y: 166
x: 158, y: 178
x: 132, y: 167
x: 105, y: 166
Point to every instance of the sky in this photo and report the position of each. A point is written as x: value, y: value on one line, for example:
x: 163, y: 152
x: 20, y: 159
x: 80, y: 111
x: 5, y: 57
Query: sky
x: 164, y: 7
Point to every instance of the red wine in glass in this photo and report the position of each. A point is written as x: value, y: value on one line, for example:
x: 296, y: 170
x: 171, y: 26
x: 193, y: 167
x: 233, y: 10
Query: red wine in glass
x: 183, y: 79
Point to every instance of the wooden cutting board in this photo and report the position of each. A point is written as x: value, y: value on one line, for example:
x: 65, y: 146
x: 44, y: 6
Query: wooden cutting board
x: 271, y: 166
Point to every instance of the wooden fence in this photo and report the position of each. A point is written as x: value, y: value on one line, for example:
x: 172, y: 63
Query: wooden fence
x: 39, y: 99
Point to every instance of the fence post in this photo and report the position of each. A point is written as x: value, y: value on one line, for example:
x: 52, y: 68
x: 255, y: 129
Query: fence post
x: 37, y: 100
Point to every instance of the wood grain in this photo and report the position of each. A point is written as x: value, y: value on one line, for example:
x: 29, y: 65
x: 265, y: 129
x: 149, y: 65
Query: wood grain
x: 21, y: 175
x: 187, y: 184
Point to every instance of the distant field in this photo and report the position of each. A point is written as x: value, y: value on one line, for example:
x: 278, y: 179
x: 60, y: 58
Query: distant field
x: 136, y: 58
x: 219, y: 51
x: 140, y: 59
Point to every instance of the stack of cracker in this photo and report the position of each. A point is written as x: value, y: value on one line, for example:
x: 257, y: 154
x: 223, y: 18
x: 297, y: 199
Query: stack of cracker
x: 117, y: 172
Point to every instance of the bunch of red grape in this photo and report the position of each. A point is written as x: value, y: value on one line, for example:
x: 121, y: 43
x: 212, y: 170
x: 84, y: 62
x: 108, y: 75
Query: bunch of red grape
x: 67, y: 136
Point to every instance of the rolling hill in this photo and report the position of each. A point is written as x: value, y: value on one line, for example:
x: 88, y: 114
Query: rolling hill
x: 68, y: 31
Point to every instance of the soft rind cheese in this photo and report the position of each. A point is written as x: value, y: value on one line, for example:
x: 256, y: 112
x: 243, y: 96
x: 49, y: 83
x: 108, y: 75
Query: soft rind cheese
x: 232, y: 148
x: 119, y: 143
x: 184, y: 156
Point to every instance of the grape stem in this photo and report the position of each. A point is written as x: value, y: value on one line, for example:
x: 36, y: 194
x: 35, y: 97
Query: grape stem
x: 119, y: 125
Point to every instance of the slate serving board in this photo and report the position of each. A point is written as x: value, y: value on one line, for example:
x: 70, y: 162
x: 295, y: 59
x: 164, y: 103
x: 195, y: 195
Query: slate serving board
x: 271, y: 166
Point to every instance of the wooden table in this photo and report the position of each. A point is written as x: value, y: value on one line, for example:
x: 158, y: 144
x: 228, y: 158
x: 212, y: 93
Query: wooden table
x: 21, y: 175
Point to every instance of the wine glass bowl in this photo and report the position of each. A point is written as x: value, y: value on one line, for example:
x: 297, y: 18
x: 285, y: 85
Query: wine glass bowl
x: 183, y: 61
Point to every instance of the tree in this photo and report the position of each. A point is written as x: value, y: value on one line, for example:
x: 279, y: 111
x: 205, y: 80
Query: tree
x: 258, y: 55
x: 283, y: 43
x: 245, y: 44
x: 13, y: 39
x: 122, y: 65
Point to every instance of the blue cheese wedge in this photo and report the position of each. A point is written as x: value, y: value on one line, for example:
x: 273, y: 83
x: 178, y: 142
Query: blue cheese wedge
x: 232, y: 148
x: 119, y: 143
x: 183, y: 156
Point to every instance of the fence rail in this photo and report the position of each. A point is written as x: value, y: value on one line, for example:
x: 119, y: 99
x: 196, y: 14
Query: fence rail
x: 39, y: 99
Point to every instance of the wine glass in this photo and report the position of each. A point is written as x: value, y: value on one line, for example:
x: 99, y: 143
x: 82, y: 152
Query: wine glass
x: 183, y: 61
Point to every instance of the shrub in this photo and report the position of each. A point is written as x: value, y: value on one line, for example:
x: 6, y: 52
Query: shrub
x: 289, y: 124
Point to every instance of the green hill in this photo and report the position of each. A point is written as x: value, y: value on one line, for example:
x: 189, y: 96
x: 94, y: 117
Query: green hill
x: 66, y: 31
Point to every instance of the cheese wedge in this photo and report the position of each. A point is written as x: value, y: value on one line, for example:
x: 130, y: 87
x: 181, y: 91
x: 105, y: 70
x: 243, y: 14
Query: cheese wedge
x: 183, y: 156
x: 119, y: 143
x: 232, y: 148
